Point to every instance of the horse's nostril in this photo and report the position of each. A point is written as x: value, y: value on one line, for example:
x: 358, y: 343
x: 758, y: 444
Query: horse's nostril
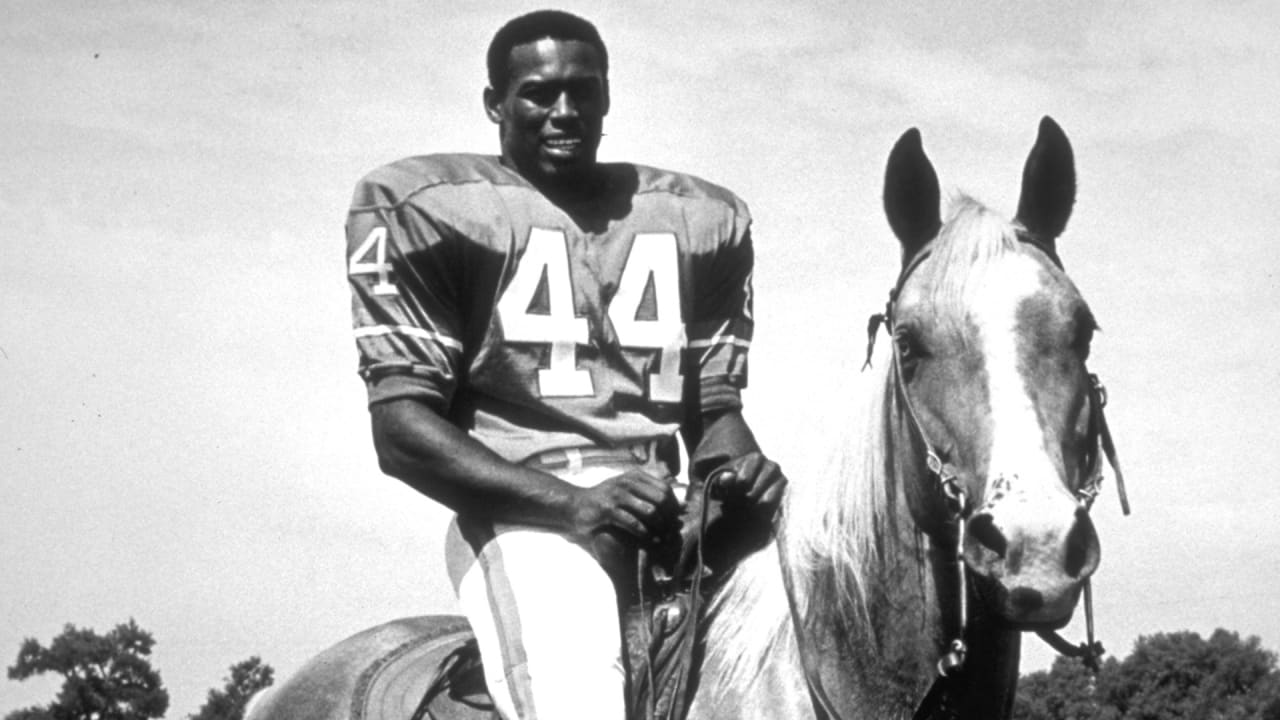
x: 983, y: 529
x: 1082, y: 546
x: 1025, y: 599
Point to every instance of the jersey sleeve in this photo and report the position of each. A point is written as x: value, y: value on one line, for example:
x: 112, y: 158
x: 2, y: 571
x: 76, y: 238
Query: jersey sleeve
x: 720, y: 334
x: 404, y: 307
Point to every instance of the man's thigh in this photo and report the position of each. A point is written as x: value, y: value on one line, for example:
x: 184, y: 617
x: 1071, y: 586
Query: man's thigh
x: 545, y: 617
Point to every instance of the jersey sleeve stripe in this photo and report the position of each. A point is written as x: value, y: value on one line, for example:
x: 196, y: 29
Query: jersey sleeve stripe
x: 408, y: 331
x: 720, y: 340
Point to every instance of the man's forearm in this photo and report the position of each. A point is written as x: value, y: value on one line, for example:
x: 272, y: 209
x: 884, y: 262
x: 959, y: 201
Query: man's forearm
x: 431, y: 455
x: 725, y: 436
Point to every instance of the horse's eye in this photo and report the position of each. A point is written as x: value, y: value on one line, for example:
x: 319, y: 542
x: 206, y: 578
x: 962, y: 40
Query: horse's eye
x: 910, y: 351
x: 906, y: 347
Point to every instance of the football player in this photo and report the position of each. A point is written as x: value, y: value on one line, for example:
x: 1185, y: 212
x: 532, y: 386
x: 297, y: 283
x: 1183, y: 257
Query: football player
x: 534, y: 329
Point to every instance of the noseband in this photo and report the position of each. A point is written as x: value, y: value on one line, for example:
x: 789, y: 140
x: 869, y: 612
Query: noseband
x: 936, y: 703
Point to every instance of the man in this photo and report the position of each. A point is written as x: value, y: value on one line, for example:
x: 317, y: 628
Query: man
x: 534, y: 329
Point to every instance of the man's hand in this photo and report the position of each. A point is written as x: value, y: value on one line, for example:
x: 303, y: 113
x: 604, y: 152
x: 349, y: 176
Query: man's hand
x: 751, y: 481
x: 635, y: 503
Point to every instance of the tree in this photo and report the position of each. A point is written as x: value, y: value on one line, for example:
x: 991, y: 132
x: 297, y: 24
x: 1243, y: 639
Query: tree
x: 1182, y: 675
x: 1167, y: 676
x: 244, y: 679
x: 1065, y: 692
x: 107, y: 677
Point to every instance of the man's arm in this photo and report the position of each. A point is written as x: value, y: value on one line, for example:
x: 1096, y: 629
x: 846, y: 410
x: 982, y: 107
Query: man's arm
x: 431, y: 455
x: 715, y: 430
x: 726, y: 449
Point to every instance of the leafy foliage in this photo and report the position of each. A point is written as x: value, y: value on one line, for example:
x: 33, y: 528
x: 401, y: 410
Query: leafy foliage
x: 1066, y: 690
x: 1168, y: 676
x: 244, y: 679
x: 107, y: 677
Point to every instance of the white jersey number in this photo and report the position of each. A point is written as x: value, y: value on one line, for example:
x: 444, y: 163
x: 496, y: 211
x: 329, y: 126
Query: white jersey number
x: 651, y: 268
x: 653, y: 264
x: 358, y: 264
x: 547, y: 257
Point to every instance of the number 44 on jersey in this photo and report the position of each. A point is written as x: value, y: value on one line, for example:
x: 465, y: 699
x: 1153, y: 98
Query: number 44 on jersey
x: 652, y: 264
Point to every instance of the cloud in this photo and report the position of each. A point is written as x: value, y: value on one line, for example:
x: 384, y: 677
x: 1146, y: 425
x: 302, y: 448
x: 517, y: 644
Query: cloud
x: 1159, y: 69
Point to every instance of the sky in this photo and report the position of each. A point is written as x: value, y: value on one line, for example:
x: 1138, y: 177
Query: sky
x: 183, y: 436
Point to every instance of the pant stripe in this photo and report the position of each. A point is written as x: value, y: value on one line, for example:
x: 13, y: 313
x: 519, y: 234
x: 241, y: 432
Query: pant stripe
x: 506, y: 617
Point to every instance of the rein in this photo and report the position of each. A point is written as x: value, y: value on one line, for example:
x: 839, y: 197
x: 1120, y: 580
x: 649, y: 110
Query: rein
x: 936, y: 703
x: 1090, y: 651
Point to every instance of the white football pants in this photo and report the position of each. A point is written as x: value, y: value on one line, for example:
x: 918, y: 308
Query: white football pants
x: 545, y: 616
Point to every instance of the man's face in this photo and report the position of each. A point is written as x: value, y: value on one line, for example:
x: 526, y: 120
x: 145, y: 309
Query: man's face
x: 551, y: 115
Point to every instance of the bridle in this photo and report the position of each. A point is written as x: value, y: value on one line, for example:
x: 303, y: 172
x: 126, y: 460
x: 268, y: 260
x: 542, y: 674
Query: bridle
x: 937, y: 702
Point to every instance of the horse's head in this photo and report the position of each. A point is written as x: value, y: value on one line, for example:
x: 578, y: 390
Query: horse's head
x: 990, y: 340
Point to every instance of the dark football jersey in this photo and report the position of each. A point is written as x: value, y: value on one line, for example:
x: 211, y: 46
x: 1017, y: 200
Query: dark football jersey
x: 537, y: 326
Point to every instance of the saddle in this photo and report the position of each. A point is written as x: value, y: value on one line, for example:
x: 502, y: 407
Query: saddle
x: 661, y: 593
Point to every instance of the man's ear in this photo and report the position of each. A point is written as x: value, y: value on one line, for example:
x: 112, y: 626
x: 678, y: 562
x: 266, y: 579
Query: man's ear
x: 493, y: 104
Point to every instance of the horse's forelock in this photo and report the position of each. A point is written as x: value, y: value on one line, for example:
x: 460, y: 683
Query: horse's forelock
x: 972, y: 237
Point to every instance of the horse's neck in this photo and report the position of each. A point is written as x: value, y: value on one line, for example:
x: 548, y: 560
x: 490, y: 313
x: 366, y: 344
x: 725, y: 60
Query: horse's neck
x: 881, y: 662
x: 884, y: 666
x: 868, y: 595
x: 874, y: 650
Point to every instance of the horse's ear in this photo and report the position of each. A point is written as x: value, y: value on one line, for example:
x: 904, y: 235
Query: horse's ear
x: 1048, y: 183
x: 911, y: 194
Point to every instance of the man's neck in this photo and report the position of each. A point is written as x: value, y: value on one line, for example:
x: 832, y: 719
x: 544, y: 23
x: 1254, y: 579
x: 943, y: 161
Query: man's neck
x: 573, y: 188
x: 580, y: 189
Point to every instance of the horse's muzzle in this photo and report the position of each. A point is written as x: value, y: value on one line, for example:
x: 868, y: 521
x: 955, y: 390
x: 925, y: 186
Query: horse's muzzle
x: 1037, y: 555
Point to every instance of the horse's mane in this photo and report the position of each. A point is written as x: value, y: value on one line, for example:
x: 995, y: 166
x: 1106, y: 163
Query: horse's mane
x: 829, y: 523
x: 834, y: 523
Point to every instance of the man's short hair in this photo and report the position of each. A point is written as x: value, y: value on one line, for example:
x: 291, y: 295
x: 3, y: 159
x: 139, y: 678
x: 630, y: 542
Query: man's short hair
x: 555, y: 24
